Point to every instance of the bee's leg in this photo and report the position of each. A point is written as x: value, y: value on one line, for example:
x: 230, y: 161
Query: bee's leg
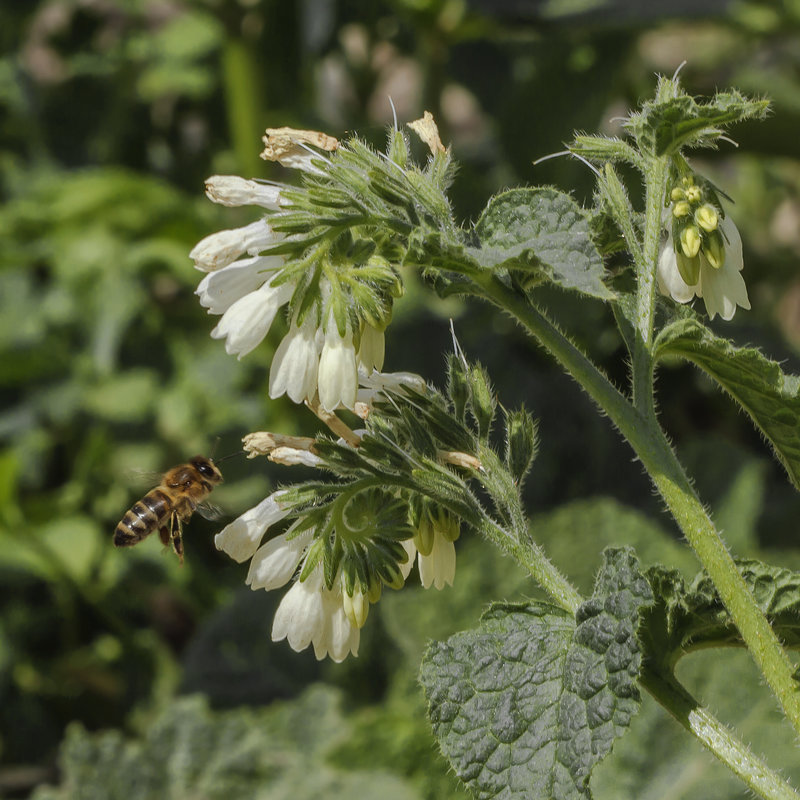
x: 177, y: 537
x: 164, y: 534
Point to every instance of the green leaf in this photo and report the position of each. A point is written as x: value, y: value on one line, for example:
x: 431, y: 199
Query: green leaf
x: 686, y: 618
x: 768, y: 395
x: 675, y: 119
x: 543, y: 231
x: 190, y: 751
x: 530, y: 701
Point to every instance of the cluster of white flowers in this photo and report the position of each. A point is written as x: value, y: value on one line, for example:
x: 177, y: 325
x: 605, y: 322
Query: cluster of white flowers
x: 313, y: 357
x: 310, y: 613
x: 316, y: 362
x: 701, y: 255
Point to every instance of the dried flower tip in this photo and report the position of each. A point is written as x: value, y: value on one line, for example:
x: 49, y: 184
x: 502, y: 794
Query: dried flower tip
x: 291, y: 457
x: 231, y: 190
x: 361, y: 409
x: 427, y: 130
x: 262, y: 443
x: 285, y: 144
x: 459, y: 459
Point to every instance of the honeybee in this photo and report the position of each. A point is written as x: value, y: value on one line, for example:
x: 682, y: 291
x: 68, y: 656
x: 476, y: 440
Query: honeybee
x: 167, y: 507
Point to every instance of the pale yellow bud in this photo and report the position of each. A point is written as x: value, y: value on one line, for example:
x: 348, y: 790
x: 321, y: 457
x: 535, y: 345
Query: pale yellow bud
x: 356, y: 607
x: 714, y: 250
x: 676, y: 194
x: 690, y: 241
x: 423, y: 538
x: 680, y: 209
x: 693, y: 194
x: 707, y: 218
x: 374, y: 591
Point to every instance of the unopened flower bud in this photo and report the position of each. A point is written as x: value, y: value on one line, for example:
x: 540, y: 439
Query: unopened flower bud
x: 690, y: 241
x: 374, y: 591
x: 423, y: 537
x: 714, y: 249
x: 677, y: 194
x: 706, y: 217
x: 356, y: 606
x: 680, y: 209
x: 693, y: 194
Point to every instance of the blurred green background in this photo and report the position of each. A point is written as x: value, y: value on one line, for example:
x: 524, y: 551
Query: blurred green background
x: 112, y: 113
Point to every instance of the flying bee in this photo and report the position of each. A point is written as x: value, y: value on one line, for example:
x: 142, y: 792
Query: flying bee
x: 167, y: 507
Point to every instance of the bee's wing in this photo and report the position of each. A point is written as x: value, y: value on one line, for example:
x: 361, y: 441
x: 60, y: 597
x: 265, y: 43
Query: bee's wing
x: 143, y: 479
x: 210, y: 512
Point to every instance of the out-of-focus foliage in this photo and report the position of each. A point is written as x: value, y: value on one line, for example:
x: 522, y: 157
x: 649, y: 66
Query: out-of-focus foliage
x: 112, y: 114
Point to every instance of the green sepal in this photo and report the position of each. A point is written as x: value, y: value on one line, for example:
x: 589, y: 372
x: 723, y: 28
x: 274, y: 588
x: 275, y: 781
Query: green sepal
x: 397, y: 147
x: 482, y: 400
x: 457, y: 386
x: 604, y: 149
x: 521, y: 443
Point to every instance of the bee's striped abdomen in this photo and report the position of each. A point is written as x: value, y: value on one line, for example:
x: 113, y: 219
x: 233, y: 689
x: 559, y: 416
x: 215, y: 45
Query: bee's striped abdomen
x: 146, y: 516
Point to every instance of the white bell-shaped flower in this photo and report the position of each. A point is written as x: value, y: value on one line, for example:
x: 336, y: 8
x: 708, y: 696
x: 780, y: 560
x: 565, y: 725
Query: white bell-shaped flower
x: 219, y: 290
x: 224, y: 247
x: 296, y: 362
x: 722, y: 288
x: 275, y: 562
x: 240, y: 539
x: 338, y: 375
x: 245, y: 324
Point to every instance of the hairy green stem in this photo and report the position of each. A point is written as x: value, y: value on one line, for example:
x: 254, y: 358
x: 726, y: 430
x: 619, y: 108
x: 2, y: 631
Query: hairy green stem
x: 715, y: 736
x: 655, y: 181
x: 650, y: 445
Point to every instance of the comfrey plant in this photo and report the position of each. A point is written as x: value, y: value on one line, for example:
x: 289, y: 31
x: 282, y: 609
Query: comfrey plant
x: 528, y: 702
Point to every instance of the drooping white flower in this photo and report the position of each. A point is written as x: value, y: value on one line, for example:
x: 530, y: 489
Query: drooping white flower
x: 224, y: 247
x: 231, y: 190
x: 338, y: 375
x: 275, y: 562
x: 219, y: 290
x: 240, y: 539
x: 300, y: 617
x: 248, y: 320
x: 296, y: 363
x: 372, y: 349
x: 722, y: 288
x: 438, y: 568
x: 310, y: 613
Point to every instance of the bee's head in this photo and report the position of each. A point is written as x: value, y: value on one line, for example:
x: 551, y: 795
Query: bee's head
x: 207, y: 468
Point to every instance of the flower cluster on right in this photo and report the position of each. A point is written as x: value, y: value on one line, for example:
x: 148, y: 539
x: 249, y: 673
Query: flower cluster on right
x: 702, y: 253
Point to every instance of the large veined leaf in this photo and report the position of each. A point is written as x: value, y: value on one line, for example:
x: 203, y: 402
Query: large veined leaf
x: 191, y: 752
x: 769, y: 396
x: 525, y: 705
x: 689, y: 617
x: 544, y: 231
